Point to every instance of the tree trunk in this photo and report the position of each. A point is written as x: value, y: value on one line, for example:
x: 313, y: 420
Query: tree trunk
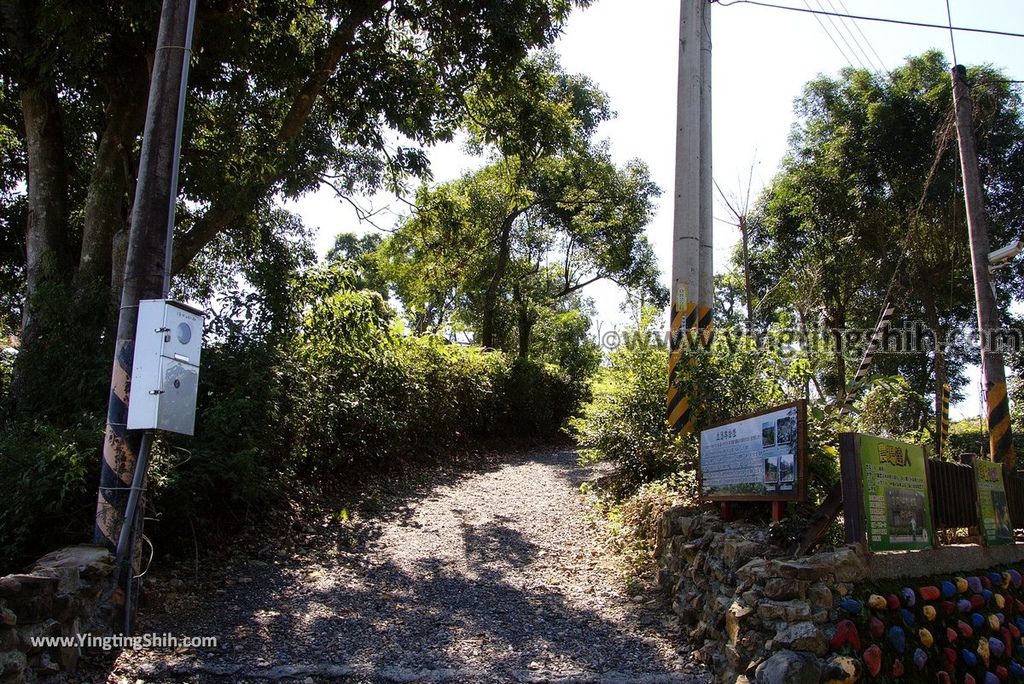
x: 939, y: 361
x: 46, y: 251
x: 746, y: 275
x: 494, y: 286
x: 106, y: 203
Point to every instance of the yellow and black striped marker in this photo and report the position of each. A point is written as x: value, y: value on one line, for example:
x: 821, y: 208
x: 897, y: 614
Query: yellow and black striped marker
x: 680, y: 410
x: 999, y: 433
x: 706, y: 326
x: 944, y: 418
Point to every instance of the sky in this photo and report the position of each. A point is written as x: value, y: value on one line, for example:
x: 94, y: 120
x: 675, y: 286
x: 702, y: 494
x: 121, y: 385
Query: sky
x: 761, y: 58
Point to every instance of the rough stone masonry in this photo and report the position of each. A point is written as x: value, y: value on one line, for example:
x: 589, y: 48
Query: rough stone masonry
x: 63, y: 594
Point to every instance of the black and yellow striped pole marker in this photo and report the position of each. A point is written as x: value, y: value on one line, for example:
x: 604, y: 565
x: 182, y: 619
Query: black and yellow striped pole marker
x: 1000, y: 436
x: 680, y: 410
x: 888, y: 309
x: 944, y: 418
x: 705, y: 326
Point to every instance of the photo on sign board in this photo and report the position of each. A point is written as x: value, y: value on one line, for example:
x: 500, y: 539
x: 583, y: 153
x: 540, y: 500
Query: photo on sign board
x: 771, y: 469
x: 768, y: 434
x: 1002, y: 514
x: 787, y: 467
x: 785, y: 430
x: 906, y: 515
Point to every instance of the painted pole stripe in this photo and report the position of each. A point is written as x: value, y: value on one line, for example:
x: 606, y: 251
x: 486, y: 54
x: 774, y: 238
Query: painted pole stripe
x: 888, y: 309
x: 679, y: 410
x: 119, y: 452
x: 1000, y: 435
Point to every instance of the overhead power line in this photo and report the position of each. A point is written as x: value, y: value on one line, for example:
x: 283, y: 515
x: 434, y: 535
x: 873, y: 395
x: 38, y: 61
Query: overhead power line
x: 860, y: 17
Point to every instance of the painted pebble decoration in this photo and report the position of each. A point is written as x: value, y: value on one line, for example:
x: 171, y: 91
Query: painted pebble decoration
x: 996, y: 647
x: 891, y: 602
x: 1000, y: 601
x: 996, y: 578
x: 1016, y: 669
x: 851, y: 606
x: 943, y: 678
x: 897, y: 668
x: 1015, y: 577
x: 951, y: 635
x: 920, y: 658
x: 987, y: 595
x: 876, y: 602
x: 977, y: 602
x: 1002, y: 673
x: 970, y: 660
x: 873, y: 659
x: 947, y: 588
x: 977, y: 620
x: 948, y: 607
x: 907, y: 617
x: 897, y: 639
x: 925, y: 637
x: 970, y: 677
x: 929, y: 593
x: 965, y: 629
x: 928, y: 612
x: 991, y: 678
x: 876, y: 627
x: 961, y: 585
x: 993, y: 622
x: 908, y: 596
x: 983, y: 651
x: 974, y: 584
x: 846, y: 633
x: 963, y: 605
x: 949, y: 658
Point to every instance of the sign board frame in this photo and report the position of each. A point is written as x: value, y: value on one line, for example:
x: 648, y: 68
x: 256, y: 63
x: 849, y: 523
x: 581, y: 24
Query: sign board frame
x: 799, y: 492
x: 989, y: 471
x: 854, y: 502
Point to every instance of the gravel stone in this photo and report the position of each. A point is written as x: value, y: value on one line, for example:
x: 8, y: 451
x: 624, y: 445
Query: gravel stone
x: 493, y: 575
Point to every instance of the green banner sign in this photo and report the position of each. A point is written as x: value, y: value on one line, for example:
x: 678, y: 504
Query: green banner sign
x: 993, y: 512
x: 896, y: 505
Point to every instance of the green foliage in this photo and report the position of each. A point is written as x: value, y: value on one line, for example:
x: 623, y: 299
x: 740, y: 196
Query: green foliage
x: 48, y: 474
x: 625, y: 421
x: 891, y: 408
x: 872, y: 172
x: 346, y: 392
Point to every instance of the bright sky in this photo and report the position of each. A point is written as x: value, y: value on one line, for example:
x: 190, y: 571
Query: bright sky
x: 761, y: 59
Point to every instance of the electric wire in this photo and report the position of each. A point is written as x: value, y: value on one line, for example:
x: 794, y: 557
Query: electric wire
x: 952, y: 39
x: 840, y: 33
x: 843, y: 30
x: 829, y: 34
x: 861, y: 17
x: 881, y: 62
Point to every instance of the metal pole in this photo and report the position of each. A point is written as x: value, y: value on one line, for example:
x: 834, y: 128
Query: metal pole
x: 997, y: 402
x: 686, y: 210
x: 145, y: 273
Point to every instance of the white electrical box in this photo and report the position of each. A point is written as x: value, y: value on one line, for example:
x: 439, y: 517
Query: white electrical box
x: 165, y: 371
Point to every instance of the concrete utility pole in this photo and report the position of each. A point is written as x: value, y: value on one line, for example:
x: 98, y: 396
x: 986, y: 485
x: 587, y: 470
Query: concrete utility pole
x: 691, y: 294
x: 997, y: 401
x: 146, y: 271
x: 706, y: 287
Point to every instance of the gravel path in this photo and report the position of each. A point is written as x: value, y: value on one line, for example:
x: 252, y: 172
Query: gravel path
x: 496, y: 575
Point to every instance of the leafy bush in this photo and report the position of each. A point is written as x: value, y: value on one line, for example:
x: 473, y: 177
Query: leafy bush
x: 49, y: 474
x: 313, y: 389
x: 626, y: 423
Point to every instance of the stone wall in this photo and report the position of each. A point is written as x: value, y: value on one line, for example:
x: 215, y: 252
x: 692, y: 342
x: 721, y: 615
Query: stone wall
x: 754, y: 613
x: 65, y: 593
x: 842, y: 615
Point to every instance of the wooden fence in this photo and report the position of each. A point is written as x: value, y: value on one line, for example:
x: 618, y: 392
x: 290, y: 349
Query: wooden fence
x: 954, y: 497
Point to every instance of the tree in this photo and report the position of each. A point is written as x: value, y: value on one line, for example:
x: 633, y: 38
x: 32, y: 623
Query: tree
x: 871, y: 174
x: 284, y: 96
x: 549, y: 215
